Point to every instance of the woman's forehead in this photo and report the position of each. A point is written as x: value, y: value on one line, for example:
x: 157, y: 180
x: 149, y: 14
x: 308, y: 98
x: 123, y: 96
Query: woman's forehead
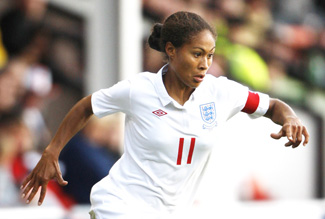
x: 204, y: 38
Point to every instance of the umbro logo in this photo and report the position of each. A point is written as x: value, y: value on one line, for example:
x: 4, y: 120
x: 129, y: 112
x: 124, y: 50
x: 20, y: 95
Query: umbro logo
x: 159, y: 112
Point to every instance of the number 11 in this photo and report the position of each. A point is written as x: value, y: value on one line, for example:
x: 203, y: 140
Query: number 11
x: 180, y: 151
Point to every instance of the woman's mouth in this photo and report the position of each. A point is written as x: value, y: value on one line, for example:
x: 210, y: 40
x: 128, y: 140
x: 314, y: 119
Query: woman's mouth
x: 199, y: 78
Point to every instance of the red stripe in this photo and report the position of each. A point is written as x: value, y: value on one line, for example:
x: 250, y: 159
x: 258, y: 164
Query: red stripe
x: 252, y: 103
x: 190, y: 153
x: 66, y: 200
x: 180, y: 151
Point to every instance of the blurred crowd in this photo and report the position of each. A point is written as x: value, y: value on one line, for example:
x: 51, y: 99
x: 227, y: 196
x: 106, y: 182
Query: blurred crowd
x: 272, y: 46
x: 277, y: 47
x: 41, y: 72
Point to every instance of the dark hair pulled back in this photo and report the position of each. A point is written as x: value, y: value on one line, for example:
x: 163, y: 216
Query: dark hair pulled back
x: 178, y: 29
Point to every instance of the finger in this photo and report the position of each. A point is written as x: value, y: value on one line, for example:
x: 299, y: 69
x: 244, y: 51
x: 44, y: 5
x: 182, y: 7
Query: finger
x: 299, y: 134
x: 25, y: 182
x: 59, y: 177
x: 28, y: 188
x: 294, y: 133
x: 43, y: 193
x: 277, y: 135
x: 289, y: 135
x: 61, y: 181
x: 288, y: 144
x: 296, y: 144
x: 306, y: 134
x: 32, y: 194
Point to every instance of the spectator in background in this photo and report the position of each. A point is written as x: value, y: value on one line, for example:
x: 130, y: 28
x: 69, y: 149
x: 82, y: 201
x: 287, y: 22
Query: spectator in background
x: 90, y: 155
x: 25, y: 88
x: 316, y: 61
x: 15, y: 139
x: 22, y: 29
x: 22, y: 126
x: 12, y: 85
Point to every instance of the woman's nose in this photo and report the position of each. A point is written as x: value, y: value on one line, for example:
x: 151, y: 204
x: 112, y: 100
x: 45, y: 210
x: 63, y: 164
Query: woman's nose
x: 204, y: 64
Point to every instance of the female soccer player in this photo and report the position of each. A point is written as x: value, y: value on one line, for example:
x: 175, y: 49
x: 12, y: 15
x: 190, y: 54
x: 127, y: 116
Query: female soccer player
x: 170, y: 125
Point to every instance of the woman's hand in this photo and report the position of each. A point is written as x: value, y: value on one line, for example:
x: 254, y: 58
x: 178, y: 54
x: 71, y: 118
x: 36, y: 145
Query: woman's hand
x: 292, y: 128
x: 48, y: 166
x: 46, y: 169
x: 294, y: 131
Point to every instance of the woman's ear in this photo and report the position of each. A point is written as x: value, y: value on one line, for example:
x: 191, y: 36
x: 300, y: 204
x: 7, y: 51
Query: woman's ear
x: 170, y: 50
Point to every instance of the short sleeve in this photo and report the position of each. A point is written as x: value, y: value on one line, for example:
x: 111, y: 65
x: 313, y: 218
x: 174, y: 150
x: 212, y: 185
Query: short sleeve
x: 111, y: 100
x: 233, y: 97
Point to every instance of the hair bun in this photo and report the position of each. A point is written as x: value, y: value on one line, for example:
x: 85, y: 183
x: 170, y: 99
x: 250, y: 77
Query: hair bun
x: 154, y: 39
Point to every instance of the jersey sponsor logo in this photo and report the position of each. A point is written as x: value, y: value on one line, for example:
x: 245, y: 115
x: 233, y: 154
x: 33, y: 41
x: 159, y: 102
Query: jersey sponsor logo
x: 159, y: 112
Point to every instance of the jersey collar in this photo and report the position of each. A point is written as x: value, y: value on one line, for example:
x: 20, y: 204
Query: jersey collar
x: 160, y: 87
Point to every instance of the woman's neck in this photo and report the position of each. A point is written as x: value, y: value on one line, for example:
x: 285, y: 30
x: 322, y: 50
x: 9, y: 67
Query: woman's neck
x: 176, y: 89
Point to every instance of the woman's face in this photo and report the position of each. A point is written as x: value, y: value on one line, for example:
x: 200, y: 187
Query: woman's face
x: 191, y: 61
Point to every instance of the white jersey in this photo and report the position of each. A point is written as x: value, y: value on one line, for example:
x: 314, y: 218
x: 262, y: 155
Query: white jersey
x: 166, y: 145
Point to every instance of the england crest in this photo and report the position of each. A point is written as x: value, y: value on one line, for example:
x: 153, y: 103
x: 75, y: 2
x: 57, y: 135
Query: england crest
x: 208, y: 112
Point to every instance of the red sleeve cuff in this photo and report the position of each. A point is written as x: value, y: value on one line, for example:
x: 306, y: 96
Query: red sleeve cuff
x: 252, y: 103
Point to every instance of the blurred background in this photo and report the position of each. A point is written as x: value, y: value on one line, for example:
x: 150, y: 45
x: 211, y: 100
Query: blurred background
x: 54, y: 52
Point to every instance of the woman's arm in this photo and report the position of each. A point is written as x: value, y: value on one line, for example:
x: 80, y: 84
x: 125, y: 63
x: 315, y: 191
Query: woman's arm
x: 48, y: 166
x: 282, y: 114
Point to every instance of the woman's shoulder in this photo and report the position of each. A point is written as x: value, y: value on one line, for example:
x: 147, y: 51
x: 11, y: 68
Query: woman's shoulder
x: 140, y: 82
x: 142, y: 78
x: 220, y: 84
x: 213, y: 80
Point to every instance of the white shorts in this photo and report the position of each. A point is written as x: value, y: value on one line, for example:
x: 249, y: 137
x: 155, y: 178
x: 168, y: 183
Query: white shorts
x: 107, y: 205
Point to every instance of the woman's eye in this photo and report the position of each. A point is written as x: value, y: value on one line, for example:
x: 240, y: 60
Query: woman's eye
x: 210, y: 56
x: 197, y: 54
